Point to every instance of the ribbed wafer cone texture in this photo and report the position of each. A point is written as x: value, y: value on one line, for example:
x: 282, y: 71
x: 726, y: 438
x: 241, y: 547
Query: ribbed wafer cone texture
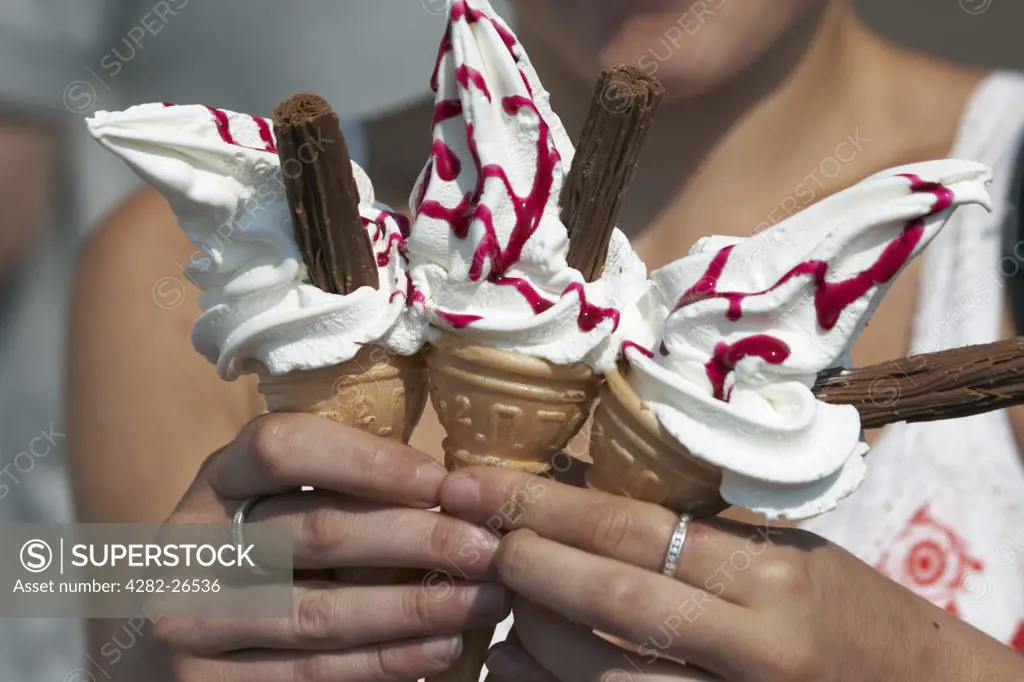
x: 634, y: 456
x: 377, y: 392
x: 504, y: 409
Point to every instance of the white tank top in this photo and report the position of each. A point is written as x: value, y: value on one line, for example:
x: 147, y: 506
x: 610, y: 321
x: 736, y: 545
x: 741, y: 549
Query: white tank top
x: 942, y: 508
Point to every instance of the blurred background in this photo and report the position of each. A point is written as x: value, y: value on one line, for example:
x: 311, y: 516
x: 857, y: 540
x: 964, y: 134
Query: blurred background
x: 978, y: 32
x: 62, y: 60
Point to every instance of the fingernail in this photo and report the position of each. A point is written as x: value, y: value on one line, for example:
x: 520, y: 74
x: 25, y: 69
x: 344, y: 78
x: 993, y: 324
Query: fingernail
x: 460, y: 491
x: 429, y: 477
x: 491, y: 605
x: 443, y: 650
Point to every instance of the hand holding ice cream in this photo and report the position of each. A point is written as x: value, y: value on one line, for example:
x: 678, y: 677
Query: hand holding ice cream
x: 724, y: 348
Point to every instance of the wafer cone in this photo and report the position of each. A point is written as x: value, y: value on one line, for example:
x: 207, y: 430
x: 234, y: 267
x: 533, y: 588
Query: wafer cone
x: 378, y: 392
x: 503, y: 409
x: 634, y: 456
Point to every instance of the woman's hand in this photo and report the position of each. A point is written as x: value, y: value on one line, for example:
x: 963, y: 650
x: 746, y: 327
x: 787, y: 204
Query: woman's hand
x: 370, y: 508
x: 746, y: 603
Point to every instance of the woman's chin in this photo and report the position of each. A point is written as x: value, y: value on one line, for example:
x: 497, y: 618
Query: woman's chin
x: 692, y: 48
x: 686, y: 71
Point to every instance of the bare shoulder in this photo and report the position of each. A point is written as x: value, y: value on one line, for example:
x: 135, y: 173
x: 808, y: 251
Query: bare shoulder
x: 924, y: 98
x: 144, y: 408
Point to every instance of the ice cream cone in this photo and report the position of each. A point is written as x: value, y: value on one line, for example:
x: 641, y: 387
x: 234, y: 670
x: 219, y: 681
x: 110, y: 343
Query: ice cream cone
x: 634, y: 456
x: 503, y: 409
x: 378, y: 392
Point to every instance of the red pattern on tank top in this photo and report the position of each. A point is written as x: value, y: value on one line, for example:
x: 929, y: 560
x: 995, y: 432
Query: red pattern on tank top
x: 930, y: 559
x: 1018, y: 639
x: 934, y: 562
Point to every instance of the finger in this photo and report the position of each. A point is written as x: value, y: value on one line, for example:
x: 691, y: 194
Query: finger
x: 575, y: 654
x: 510, y: 663
x: 616, y: 527
x: 625, y: 601
x: 398, y: 662
x: 335, y: 618
x: 278, y: 453
x: 331, y: 531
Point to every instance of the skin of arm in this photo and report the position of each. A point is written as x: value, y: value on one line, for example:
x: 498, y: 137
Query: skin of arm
x: 132, y: 310
x: 135, y: 447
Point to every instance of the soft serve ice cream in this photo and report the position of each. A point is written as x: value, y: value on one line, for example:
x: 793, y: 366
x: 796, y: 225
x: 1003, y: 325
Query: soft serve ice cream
x: 222, y: 176
x: 488, y: 248
x: 742, y: 327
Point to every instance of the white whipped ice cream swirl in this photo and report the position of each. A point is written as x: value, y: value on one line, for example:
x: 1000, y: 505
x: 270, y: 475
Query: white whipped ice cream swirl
x: 488, y: 248
x: 221, y: 174
x: 744, y: 326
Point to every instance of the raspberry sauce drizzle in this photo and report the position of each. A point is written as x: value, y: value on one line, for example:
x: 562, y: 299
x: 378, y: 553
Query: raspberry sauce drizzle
x: 458, y: 320
x: 411, y: 293
x: 404, y: 226
x: 528, y: 209
x: 384, y: 257
x: 592, y: 315
x: 446, y: 164
x: 467, y: 75
x: 378, y: 225
x: 626, y: 345
x: 830, y: 298
x: 223, y: 123
x: 770, y: 349
x: 707, y: 285
x: 536, y: 301
x: 265, y: 134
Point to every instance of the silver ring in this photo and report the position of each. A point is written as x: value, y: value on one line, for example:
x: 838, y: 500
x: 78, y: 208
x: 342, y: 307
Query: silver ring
x: 675, y: 545
x: 239, y: 520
